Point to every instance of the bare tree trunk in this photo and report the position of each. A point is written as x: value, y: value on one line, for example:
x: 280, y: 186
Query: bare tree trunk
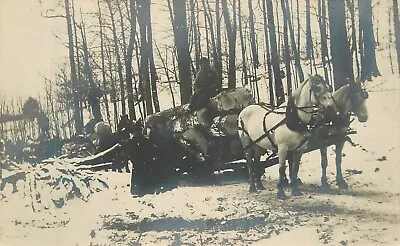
x: 390, y: 41
x: 351, y: 7
x: 341, y: 57
x: 279, y: 91
x: 74, y: 80
x: 118, y: 56
x: 143, y: 20
x: 323, y: 35
x: 210, y: 22
x: 153, y: 72
x: 245, y: 79
x: 308, y: 30
x: 368, y: 60
x: 182, y: 46
x: 256, y: 61
x: 113, y: 86
x: 231, y: 32
x: 128, y: 60
x: 103, y: 68
x: 293, y: 44
x: 196, y: 34
x: 94, y: 93
x: 218, y: 56
x: 286, y: 47
x: 121, y: 20
x: 268, y: 55
x: 396, y: 22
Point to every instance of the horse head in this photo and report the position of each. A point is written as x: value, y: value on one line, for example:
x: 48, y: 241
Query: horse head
x: 314, y: 95
x: 358, y: 96
x: 321, y: 94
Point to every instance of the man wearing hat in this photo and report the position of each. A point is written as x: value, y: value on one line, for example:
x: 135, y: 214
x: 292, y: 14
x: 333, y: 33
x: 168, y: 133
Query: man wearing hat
x: 206, y: 85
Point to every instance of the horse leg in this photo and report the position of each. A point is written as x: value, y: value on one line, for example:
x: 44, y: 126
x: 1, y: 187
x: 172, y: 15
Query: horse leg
x: 251, y: 168
x: 260, y: 170
x: 324, y: 165
x: 282, y: 154
x: 294, y: 170
x: 339, y: 176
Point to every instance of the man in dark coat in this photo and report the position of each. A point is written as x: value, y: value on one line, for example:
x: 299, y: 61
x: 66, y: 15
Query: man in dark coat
x: 206, y: 85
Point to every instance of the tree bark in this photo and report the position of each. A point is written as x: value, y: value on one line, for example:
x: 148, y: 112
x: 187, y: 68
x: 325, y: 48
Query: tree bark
x: 182, y: 46
x: 93, y: 94
x: 368, y: 60
x: 268, y: 56
x: 218, y: 56
x: 231, y: 32
x: 118, y: 57
x: 286, y: 47
x: 396, y: 22
x: 279, y: 91
x: 324, y: 39
x: 128, y: 60
x: 144, y: 19
x: 77, y: 116
x: 341, y: 56
x: 245, y: 79
x: 103, y: 67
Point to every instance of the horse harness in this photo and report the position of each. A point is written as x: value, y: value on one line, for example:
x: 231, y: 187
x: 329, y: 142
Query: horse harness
x: 291, y: 119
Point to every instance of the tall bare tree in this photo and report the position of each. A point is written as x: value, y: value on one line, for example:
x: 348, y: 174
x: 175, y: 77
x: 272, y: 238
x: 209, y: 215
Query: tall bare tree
x: 231, y: 32
x: 179, y: 24
x: 103, y: 65
x: 396, y: 22
x: 118, y: 57
x: 340, y: 51
x: 74, y: 80
x: 368, y: 60
x: 279, y: 91
x: 143, y: 20
x: 128, y: 60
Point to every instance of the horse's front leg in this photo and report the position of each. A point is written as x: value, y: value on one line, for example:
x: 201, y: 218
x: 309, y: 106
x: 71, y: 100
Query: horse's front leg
x: 294, y: 164
x: 324, y: 165
x: 339, y: 175
x: 282, y: 183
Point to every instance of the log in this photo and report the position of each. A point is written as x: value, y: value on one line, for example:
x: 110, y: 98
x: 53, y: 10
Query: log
x: 198, y: 131
x: 224, y: 125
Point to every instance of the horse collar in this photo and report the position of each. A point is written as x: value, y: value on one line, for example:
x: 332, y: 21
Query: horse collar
x: 293, y: 120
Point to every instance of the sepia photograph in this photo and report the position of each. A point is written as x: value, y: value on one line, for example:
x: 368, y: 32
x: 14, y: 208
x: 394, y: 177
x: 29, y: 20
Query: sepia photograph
x: 199, y: 122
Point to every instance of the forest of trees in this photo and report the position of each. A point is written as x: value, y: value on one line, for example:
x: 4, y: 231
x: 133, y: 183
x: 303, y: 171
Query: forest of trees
x: 138, y: 57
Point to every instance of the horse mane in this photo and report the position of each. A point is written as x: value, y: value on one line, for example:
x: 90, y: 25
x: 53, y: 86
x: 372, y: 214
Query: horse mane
x: 340, y: 94
x: 296, y: 93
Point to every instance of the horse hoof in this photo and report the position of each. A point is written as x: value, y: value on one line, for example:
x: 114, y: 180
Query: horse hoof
x: 325, y: 187
x: 299, y: 182
x: 296, y: 192
x: 342, y: 184
x: 252, y: 189
x: 281, y: 195
x: 260, y: 186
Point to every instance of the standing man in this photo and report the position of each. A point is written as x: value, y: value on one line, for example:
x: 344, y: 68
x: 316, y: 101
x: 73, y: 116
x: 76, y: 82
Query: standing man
x: 205, y: 85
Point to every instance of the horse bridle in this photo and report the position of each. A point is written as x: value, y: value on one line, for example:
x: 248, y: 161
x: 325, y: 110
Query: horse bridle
x: 316, y: 109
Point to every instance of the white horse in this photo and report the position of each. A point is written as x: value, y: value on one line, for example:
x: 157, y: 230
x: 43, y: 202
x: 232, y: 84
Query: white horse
x: 349, y: 99
x: 284, y: 131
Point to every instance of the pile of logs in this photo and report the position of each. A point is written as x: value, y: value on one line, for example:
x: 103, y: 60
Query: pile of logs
x: 209, y: 129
